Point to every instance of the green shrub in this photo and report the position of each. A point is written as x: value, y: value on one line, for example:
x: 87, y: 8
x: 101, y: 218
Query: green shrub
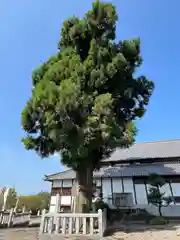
x: 99, y: 204
x: 142, y: 215
x: 116, y: 214
x: 158, y: 221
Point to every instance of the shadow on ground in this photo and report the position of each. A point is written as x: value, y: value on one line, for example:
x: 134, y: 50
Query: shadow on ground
x: 138, y: 228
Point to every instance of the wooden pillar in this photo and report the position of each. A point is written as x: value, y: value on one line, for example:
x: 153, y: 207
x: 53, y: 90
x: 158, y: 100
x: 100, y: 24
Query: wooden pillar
x: 57, y: 203
x: 61, y: 193
x: 101, y: 188
x: 171, y: 191
x: 146, y: 190
x: 71, y: 194
x: 112, y: 190
x: 135, y: 197
x: 122, y: 183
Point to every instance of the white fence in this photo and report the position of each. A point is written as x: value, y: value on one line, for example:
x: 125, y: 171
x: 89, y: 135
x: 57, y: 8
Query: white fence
x: 73, y: 223
x: 11, y: 218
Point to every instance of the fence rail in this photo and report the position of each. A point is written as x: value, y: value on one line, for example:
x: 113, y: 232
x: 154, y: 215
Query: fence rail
x: 73, y: 223
x: 11, y: 218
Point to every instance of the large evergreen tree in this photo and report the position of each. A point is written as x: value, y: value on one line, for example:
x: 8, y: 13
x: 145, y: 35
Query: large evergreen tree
x: 85, y: 98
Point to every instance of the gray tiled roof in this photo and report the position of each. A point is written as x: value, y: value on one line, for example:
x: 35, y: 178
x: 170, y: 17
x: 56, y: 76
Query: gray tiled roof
x: 67, y: 174
x: 126, y: 171
x: 141, y: 170
x: 143, y: 150
x: 147, y: 150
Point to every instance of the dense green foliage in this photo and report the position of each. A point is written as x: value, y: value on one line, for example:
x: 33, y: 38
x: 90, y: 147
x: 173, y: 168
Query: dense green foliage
x: 155, y: 195
x: 35, y: 202
x: 85, y: 98
x: 30, y: 202
x: 99, y: 204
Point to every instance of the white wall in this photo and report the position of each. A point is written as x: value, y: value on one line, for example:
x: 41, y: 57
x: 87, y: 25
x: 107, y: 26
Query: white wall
x: 117, y: 185
x: 106, y: 189
x: 175, y: 189
x: 53, y: 200
x: 65, y: 200
x: 166, y: 189
x: 128, y: 187
x: 140, y: 189
x: 52, y: 209
x: 52, y: 206
x: 117, y: 188
x: 141, y: 195
x: 170, y: 211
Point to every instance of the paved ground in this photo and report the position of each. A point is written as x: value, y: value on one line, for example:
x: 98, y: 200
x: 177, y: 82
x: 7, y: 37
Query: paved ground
x: 19, y: 234
x: 142, y: 232
x: 132, y: 232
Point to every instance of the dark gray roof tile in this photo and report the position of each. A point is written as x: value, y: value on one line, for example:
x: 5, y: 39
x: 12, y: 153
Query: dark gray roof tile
x: 67, y: 174
x: 147, y: 150
x: 126, y: 171
x: 141, y: 170
x: 142, y: 151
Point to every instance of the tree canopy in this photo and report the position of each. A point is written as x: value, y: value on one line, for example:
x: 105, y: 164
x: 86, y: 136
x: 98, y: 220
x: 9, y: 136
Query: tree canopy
x: 86, y: 98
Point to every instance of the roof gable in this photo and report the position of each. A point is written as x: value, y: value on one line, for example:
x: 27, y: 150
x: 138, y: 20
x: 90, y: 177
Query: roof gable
x: 67, y: 174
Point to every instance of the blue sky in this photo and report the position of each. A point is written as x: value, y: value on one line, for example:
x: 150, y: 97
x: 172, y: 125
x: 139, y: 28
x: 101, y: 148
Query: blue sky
x: 29, y: 31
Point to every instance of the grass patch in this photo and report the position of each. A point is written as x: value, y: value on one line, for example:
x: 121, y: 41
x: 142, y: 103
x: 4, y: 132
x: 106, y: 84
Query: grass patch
x: 160, y: 220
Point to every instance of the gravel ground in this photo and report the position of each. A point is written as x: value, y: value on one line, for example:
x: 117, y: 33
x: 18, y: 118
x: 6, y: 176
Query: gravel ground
x: 142, y: 232
x: 132, y: 232
x: 19, y: 234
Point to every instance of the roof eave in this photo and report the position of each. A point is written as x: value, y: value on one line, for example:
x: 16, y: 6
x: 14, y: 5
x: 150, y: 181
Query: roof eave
x: 138, y: 160
x: 47, y: 179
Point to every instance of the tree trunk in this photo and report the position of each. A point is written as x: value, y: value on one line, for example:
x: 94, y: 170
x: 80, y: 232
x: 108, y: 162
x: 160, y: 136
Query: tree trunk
x: 159, y: 208
x: 84, y: 178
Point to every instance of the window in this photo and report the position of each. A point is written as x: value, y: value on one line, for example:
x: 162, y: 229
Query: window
x: 65, y: 209
x: 122, y: 199
x: 55, y: 191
